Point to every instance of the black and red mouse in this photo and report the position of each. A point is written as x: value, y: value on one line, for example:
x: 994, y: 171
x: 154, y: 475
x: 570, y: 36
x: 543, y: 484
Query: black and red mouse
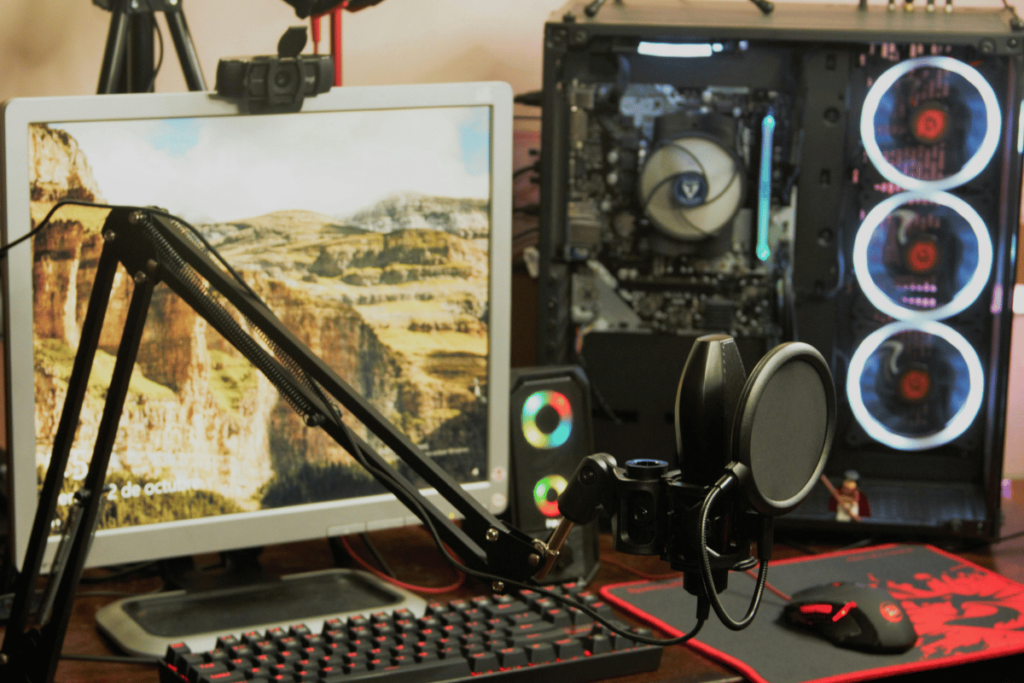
x: 853, y: 616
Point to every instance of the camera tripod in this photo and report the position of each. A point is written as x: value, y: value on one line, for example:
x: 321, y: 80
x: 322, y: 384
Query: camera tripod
x: 130, y: 44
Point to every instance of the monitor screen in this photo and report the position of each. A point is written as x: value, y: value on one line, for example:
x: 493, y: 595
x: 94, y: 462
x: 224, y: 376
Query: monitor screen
x: 374, y: 224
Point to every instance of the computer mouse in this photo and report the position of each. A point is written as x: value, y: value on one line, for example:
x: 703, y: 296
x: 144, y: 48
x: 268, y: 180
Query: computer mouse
x: 853, y: 616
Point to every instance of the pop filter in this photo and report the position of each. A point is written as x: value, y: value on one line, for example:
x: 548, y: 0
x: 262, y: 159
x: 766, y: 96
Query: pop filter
x: 784, y: 425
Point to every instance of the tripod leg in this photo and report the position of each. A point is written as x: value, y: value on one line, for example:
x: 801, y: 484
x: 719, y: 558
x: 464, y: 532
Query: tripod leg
x: 114, y: 53
x: 185, y: 48
x: 140, y: 71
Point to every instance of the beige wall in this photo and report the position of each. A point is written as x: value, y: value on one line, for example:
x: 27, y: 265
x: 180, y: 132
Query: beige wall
x: 55, y: 47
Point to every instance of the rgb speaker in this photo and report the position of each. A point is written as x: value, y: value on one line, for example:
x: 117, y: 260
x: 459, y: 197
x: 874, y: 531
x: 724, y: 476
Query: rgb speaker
x: 550, y: 434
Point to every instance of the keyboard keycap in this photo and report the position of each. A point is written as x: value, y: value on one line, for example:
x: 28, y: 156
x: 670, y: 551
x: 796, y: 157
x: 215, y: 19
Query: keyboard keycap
x: 223, y: 677
x: 567, y: 648
x: 201, y: 669
x: 175, y: 649
x: 483, y: 662
x: 225, y: 642
x: 539, y: 653
x: 598, y: 644
x: 510, y: 657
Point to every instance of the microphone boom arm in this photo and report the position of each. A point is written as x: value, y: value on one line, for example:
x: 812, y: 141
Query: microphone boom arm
x: 154, y: 247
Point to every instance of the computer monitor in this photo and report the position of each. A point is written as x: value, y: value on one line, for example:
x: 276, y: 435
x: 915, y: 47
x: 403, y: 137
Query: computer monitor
x: 376, y: 225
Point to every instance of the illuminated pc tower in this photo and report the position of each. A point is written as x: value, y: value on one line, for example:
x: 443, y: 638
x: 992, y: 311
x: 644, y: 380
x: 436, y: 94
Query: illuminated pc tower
x: 374, y: 224
x: 842, y: 176
x: 922, y: 330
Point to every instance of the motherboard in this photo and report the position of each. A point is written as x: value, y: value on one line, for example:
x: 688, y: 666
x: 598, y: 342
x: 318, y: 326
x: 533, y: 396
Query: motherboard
x: 681, y: 203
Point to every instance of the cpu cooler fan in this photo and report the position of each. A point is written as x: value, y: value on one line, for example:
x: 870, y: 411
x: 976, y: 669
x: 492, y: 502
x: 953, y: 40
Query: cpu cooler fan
x: 693, y: 182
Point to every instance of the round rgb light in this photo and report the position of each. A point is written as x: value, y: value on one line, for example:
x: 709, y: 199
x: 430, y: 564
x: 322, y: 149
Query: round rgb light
x: 872, y: 121
x: 546, y: 493
x: 883, y: 290
x: 966, y: 396
x: 537, y: 436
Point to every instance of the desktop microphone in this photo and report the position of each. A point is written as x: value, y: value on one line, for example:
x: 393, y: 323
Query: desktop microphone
x: 706, y: 399
x: 768, y: 434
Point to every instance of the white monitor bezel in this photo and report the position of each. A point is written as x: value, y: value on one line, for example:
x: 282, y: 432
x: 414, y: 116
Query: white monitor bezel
x: 265, y: 527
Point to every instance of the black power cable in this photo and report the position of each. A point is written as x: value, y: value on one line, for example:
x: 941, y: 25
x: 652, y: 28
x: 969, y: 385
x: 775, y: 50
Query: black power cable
x: 160, y: 59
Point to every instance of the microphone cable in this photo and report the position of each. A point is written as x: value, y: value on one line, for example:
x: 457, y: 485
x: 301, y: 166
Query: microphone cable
x: 726, y: 482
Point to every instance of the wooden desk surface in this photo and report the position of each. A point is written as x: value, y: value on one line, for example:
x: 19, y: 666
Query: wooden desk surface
x: 413, y: 558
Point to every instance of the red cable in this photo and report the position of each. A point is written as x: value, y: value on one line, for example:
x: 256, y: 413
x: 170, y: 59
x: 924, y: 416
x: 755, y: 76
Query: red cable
x: 430, y: 590
x: 314, y: 25
x: 336, y: 41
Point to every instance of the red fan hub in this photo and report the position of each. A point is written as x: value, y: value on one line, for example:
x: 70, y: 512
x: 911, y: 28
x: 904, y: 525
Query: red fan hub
x: 922, y: 256
x: 930, y: 123
x: 915, y: 385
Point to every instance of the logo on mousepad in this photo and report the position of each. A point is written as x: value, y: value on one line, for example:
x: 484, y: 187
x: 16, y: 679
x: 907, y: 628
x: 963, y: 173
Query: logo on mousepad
x: 964, y: 609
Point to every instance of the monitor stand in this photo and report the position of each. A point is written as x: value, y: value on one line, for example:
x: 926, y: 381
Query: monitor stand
x: 146, y: 624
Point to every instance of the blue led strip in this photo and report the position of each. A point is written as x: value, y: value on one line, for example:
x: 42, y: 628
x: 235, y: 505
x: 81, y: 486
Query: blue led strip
x: 764, y: 193
x: 1020, y: 130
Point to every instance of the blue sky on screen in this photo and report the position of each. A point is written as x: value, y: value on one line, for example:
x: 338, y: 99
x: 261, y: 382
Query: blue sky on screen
x: 335, y: 163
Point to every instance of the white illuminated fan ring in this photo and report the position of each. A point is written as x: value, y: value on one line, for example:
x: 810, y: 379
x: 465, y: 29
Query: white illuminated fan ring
x: 975, y: 165
x: 955, y: 427
x: 964, y: 298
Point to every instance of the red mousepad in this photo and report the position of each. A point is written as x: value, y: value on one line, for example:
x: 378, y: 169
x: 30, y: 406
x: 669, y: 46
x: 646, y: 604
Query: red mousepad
x: 962, y: 613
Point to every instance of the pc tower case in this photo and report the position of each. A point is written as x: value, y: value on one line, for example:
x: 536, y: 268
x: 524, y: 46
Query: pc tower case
x: 842, y: 176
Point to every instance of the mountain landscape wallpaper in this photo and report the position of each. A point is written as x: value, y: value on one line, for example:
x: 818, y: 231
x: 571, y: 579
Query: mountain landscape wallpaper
x: 367, y: 234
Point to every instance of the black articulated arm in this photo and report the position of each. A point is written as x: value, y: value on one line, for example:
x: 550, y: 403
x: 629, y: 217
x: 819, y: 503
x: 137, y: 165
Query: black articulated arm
x: 486, y: 543
x: 155, y: 247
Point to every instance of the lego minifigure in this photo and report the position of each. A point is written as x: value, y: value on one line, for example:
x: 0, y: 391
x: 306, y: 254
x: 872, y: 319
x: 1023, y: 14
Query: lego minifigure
x: 852, y: 503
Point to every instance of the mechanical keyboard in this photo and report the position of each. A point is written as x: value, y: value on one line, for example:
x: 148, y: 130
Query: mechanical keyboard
x: 524, y: 636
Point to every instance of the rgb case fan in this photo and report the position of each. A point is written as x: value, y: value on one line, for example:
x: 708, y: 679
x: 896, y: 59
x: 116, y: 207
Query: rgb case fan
x: 915, y: 386
x: 924, y: 256
x: 930, y: 123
